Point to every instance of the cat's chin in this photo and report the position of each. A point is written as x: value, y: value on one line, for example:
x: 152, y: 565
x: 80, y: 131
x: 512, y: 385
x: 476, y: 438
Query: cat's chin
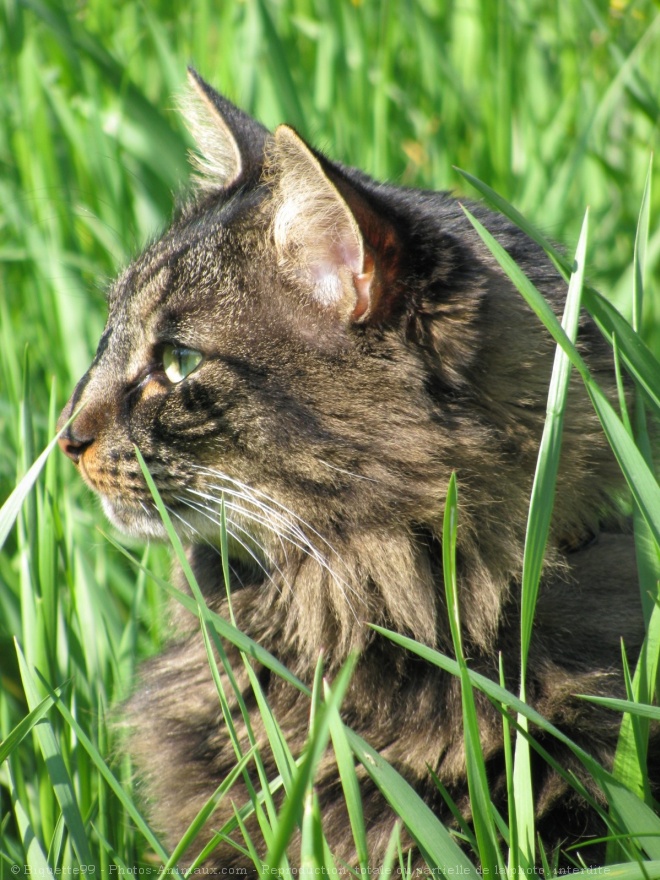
x: 134, y: 521
x: 145, y: 523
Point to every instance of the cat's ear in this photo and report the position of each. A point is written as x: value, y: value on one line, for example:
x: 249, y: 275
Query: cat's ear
x: 230, y: 143
x: 325, y: 230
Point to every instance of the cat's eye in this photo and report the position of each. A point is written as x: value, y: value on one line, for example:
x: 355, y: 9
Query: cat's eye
x: 180, y: 362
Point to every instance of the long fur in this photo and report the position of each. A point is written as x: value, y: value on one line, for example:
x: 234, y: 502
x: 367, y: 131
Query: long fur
x: 330, y: 418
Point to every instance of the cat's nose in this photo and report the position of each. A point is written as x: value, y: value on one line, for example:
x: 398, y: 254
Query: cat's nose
x: 78, y: 436
x: 73, y: 445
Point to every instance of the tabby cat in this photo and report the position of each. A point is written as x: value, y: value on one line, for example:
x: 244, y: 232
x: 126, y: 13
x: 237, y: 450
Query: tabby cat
x: 322, y: 351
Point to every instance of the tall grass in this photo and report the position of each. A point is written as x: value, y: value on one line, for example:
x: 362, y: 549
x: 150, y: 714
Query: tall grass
x: 554, y: 104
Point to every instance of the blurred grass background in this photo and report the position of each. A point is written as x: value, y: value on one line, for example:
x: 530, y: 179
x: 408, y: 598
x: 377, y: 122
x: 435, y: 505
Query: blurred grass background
x: 554, y: 104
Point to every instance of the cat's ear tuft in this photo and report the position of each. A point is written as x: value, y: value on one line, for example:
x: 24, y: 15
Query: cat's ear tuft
x: 230, y: 144
x: 317, y: 237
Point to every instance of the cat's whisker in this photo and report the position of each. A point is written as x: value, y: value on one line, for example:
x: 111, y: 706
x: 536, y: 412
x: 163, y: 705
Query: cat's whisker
x: 212, y: 512
x: 256, y: 494
x: 258, y: 562
x: 212, y: 516
x: 191, y: 528
x: 339, y: 470
x: 270, y: 515
x: 266, y: 519
x: 301, y: 540
x: 245, y: 546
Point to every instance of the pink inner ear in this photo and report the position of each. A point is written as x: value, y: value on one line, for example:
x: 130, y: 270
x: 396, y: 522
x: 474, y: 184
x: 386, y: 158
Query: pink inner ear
x: 335, y: 258
x: 362, y: 283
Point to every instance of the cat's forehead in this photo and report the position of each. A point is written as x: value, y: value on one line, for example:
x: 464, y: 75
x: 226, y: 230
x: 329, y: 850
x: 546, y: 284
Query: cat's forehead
x: 176, y: 277
x: 190, y: 289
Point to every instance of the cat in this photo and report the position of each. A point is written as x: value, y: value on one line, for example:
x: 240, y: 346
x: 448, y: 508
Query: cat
x: 322, y: 352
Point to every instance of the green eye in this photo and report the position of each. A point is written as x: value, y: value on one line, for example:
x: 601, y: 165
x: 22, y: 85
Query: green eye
x: 180, y: 362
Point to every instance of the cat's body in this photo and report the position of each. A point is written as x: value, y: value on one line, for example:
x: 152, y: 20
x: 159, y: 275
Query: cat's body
x: 325, y: 351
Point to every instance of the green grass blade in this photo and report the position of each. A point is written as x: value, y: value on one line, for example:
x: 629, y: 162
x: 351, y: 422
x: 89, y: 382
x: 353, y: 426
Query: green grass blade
x: 206, y: 812
x: 315, y: 858
x: 449, y: 535
x: 640, y: 479
x: 284, y: 760
x: 393, y: 845
x: 435, y: 843
x: 111, y: 780
x: 12, y: 506
x: 630, y: 871
x: 504, y: 207
x: 514, y: 852
x: 545, y: 477
x: 316, y: 745
x: 640, y: 251
x: 238, y: 821
x: 538, y: 527
x: 630, y: 761
x: 249, y: 849
x: 463, y: 832
x: 22, y: 729
x: 632, y: 813
x: 35, y: 857
x: 648, y: 558
x: 645, y: 681
x: 350, y: 784
x: 534, y: 299
x: 642, y: 710
x: 59, y: 775
x: 638, y: 359
x: 481, y: 804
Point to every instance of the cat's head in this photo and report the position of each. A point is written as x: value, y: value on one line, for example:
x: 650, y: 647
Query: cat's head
x: 258, y: 349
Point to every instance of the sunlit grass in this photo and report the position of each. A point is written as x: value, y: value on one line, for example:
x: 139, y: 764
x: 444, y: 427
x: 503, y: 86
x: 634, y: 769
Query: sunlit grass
x: 554, y: 105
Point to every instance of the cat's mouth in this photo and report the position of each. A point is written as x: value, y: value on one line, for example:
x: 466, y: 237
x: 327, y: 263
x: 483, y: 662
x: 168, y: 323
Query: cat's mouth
x: 127, y: 501
x: 125, y: 507
x: 204, y: 506
x: 140, y: 518
x: 128, y: 505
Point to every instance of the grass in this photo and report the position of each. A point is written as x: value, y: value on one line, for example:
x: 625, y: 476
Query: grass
x: 553, y: 104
